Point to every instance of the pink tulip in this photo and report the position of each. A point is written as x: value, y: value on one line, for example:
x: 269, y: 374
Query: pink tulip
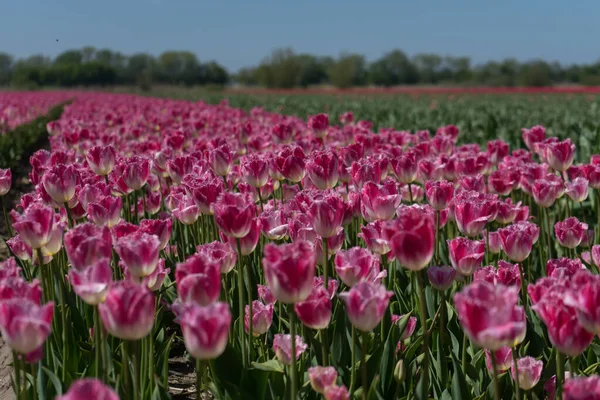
x: 290, y: 164
x: 372, y: 235
x: 507, y: 211
x: 364, y: 171
x: 503, y: 181
x: 335, y: 392
x: 326, y: 215
x: 274, y: 224
x: 234, y: 214
x: 89, y: 388
x: 282, y: 346
x: 503, y: 359
x: 318, y: 123
x: 441, y: 278
x: 411, y: 237
x: 187, y: 211
x: 518, y: 239
x: 473, y: 211
x: 439, y: 194
x: 92, y: 283
x: 35, y: 225
x: 365, y: 304
x: 265, y: 294
x: 5, y: 181
x: 262, y: 317
x: 582, y: 388
x: 530, y: 372
x: 86, y: 244
x: 550, y: 385
x: 101, y: 159
x: 584, y: 299
x: 577, y: 189
x: 198, y: 280
x: 315, y: 311
x: 410, y: 327
x: 155, y: 280
x: 289, y: 270
x: 220, y: 253
x: 128, y: 311
x: 205, y: 329
x: 106, y: 211
x: 16, y: 288
x: 466, y: 255
x: 489, y: 315
x: 546, y: 191
x: 355, y: 265
x: 221, y: 160
x: 18, y: 247
x: 136, y: 172
x: 179, y: 167
x: 139, y: 253
x: 473, y: 183
x: 564, y: 329
x: 55, y: 242
x: 255, y: 170
x: 322, y: 169
x: 345, y: 119
x: 204, y: 191
x: 560, y: 155
x: 497, y: 150
x: 533, y: 135
x: 321, y: 378
x: 570, y: 232
x: 60, y: 182
x: 161, y: 228
x: 405, y: 167
x: 563, y: 267
x: 25, y: 326
x: 378, y: 203
x: 494, y: 242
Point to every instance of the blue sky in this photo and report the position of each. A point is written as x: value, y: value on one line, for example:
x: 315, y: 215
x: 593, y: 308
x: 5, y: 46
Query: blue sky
x: 241, y: 33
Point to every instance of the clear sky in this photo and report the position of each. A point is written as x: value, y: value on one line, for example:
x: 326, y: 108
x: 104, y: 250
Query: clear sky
x: 240, y: 33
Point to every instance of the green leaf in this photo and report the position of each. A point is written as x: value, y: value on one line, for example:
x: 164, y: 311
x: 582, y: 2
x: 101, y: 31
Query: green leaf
x: 55, y: 381
x: 460, y: 390
x: 269, y: 366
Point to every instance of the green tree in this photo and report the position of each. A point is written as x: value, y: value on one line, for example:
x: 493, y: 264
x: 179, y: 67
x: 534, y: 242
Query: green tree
x: 394, y: 68
x: 6, y: 65
x: 428, y: 66
x: 69, y: 57
x: 348, y: 70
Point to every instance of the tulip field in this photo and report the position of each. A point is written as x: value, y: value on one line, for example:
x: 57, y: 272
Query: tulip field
x: 302, y: 247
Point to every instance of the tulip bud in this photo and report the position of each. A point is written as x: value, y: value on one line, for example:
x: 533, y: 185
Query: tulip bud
x: 399, y: 372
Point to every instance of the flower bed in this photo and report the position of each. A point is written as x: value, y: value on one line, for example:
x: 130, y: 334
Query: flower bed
x: 299, y: 259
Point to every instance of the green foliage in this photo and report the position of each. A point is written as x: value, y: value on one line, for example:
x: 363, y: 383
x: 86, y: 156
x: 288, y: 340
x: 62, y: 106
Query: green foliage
x: 25, y: 139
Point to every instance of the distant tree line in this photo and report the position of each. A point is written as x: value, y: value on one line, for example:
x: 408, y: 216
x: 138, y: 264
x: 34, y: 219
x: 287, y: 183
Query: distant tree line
x: 90, y: 67
x: 284, y: 68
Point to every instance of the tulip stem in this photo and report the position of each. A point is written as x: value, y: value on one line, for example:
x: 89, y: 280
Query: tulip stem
x: 325, y: 266
x: 135, y: 206
x: 63, y: 319
x: 250, y: 317
x: 495, y: 375
x: 423, y: 315
x: 353, y: 365
x: 260, y: 200
x: 410, y: 193
x: 241, y: 306
x: 437, y: 237
x: 523, y: 287
x: 17, y: 368
x: 293, y: 372
x: 199, y: 373
x: 34, y: 380
x: 69, y: 218
x: 442, y: 335
x: 324, y: 347
x: 136, y: 369
x: 560, y: 374
x: 6, y: 219
x: 598, y: 215
x: 516, y: 368
x: 363, y: 365
x: 97, y: 342
x: 125, y: 369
